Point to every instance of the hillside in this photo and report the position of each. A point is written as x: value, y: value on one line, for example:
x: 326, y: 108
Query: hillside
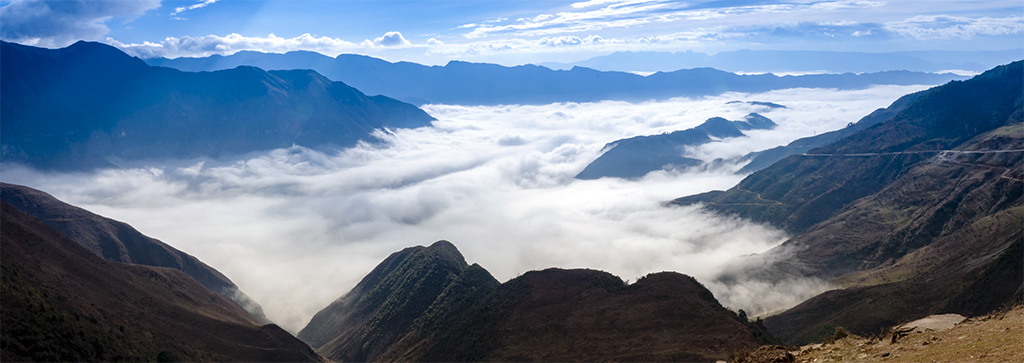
x: 63, y: 303
x: 88, y: 104
x: 427, y: 304
x: 117, y: 241
x: 636, y: 156
x: 906, y: 230
x: 996, y: 337
x: 468, y: 83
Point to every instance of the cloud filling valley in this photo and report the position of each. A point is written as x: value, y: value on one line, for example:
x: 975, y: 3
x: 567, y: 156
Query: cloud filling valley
x: 296, y: 228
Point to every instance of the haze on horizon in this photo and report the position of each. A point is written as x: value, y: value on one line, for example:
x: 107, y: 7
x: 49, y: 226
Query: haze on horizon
x: 512, y: 32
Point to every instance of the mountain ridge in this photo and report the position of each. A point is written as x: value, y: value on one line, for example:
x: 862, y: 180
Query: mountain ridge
x: 549, y: 315
x: 82, y: 106
x: 636, y: 156
x: 466, y: 83
x: 799, y: 61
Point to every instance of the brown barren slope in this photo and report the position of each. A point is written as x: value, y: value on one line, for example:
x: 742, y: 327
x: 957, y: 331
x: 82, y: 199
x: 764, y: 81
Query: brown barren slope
x: 998, y: 337
x: 117, y: 241
x: 62, y: 303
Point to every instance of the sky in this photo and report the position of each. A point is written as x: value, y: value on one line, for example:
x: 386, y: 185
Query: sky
x: 512, y: 32
x: 295, y: 228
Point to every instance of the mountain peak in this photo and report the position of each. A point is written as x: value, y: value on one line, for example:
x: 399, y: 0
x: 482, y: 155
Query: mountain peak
x: 387, y: 301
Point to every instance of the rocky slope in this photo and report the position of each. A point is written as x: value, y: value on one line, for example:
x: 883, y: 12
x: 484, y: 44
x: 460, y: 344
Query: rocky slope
x: 85, y: 105
x: 63, y: 303
x: 117, y: 241
x: 996, y: 337
x: 427, y: 304
x: 906, y: 230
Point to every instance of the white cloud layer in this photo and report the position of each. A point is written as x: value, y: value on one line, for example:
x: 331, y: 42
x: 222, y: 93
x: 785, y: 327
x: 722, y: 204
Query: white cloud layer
x: 173, y: 47
x: 296, y: 228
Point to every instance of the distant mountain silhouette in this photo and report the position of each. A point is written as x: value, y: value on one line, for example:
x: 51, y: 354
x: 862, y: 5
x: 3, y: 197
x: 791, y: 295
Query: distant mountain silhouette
x: 62, y: 303
x: 916, y: 215
x: 119, y: 242
x: 426, y: 304
x: 80, y: 106
x: 799, y: 61
x: 636, y: 156
x: 488, y: 84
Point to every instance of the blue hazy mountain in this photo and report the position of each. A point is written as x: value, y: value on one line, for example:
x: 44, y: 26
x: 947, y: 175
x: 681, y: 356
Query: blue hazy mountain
x: 489, y: 84
x: 636, y: 156
x: 799, y: 61
x: 80, y: 106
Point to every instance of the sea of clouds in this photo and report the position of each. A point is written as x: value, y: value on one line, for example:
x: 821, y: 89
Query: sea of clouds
x: 296, y: 228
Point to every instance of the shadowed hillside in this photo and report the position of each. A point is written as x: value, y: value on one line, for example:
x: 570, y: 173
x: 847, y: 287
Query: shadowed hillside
x: 119, y: 242
x: 63, y: 303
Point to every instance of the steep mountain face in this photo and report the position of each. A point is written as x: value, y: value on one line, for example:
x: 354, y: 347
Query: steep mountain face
x: 363, y: 323
x: 636, y: 156
x: 119, y: 242
x: 489, y: 84
x: 62, y: 303
x: 80, y: 106
x: 908, y: 231
x: 444, y: 310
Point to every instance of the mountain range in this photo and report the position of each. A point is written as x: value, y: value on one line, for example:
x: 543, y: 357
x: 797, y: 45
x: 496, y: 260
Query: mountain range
x: 426, y: 304
x: 916, y: 209
x: 467, y: 83
x: 89, y: 104
x: 62, y: 303
x: 917, y: 215
x: 796, y: 61
x: 636, y: 156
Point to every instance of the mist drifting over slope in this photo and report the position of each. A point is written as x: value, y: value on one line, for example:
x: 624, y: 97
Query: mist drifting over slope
x: 296, y: 228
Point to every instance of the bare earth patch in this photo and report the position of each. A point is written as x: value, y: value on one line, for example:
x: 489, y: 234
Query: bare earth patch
x: 998, y: 337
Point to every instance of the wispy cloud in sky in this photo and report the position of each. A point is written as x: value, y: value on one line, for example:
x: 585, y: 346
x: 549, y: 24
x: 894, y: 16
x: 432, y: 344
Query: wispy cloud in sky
x: 296, y: 228
x: 511, y: 32
x: 201, y: 4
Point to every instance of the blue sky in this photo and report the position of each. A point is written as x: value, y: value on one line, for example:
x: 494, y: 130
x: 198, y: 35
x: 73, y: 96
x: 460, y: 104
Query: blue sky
x: 512, y: 32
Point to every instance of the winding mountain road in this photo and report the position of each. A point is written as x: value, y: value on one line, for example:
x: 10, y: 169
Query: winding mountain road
x: 946, y: 152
